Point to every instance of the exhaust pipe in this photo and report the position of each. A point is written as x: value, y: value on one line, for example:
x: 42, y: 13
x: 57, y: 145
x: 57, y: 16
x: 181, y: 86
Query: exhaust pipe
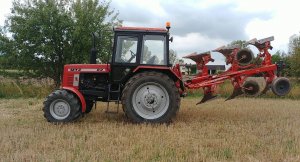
x: 94, y: 51
x: 93, y: 56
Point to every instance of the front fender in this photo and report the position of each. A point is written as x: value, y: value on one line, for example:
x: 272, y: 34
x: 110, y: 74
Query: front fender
x: 79, y: 95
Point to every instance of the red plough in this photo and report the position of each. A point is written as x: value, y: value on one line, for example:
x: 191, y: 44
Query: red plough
x: 243, y: 65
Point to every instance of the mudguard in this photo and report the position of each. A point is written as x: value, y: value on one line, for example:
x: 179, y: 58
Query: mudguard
x: 79, y: 95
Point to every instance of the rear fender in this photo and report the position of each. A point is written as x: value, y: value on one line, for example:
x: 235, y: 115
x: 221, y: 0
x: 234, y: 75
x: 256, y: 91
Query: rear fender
x: 79, y: 95
x: 173, y: 73
x: 169, y: 71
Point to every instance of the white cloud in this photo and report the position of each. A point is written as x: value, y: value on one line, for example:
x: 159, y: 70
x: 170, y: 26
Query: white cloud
x: 283, y: 24
x: 196, y: 42
x: 139, y: 11
x: 4, y: 10
x: 259, y: 19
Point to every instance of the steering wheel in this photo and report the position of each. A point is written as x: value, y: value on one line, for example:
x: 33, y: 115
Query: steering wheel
x: 132, y: 56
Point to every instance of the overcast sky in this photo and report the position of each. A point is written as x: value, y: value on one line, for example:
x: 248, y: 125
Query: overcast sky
x: 203, y: 25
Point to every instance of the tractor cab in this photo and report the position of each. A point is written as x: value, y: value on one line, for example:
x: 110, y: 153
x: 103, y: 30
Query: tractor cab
x: 134, y: 47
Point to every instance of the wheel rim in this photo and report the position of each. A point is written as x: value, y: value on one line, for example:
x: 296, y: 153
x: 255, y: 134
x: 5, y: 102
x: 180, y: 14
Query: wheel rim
x: 60, y: 109
x: 150, y: 100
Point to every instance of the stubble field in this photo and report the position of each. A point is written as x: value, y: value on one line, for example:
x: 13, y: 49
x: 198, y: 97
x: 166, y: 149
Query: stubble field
x: 243, y: 129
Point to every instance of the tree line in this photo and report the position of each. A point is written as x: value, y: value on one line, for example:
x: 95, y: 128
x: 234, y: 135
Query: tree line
x: 41, y: 36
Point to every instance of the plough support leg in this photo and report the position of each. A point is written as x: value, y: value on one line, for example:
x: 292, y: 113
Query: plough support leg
x: 236, y: 92
x: 208, y: 94
x: 265, y: 90
x: 207, y: 97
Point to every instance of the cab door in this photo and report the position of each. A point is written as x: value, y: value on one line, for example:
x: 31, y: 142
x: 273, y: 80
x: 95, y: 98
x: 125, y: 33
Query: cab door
x: 125, y: 57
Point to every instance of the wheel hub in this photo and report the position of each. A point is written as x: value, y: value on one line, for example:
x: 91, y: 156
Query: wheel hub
x: 60, y: 109
x: 150, y: 100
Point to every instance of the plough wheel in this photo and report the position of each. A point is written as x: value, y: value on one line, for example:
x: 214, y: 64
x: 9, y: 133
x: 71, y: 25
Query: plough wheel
x: 244, y: 57
x: 251, y: 88
x: 281, y: 86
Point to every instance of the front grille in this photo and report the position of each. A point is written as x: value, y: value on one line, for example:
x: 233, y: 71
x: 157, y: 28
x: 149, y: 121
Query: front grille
x: 70, y: 81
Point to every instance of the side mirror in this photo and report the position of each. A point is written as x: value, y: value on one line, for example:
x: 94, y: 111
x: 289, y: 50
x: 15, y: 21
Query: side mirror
x: 171, y: 39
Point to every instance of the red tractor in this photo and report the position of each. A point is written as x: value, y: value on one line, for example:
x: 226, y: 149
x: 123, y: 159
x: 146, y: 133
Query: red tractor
x: 142, y: 79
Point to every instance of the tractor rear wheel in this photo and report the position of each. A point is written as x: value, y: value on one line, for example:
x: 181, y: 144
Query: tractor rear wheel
x: 61, y: 106
x: 150, y: 97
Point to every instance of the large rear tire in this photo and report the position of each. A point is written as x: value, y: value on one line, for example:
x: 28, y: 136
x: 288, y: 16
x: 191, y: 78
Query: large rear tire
x: 62, y: 106
x: 150, y: 97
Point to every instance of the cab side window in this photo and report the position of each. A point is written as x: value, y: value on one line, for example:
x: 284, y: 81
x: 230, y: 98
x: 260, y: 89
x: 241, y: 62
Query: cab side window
x: 126, y: 49
x: 154, y: 50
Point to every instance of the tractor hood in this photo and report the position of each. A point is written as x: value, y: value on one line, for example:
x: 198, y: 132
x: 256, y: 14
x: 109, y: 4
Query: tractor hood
x: 72, y: 72
x: 89, y: 68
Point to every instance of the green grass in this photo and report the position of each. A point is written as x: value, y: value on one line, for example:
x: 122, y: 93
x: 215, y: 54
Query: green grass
x: 10, y: 90
x: 19, y: 84
x: 25, y: 88
x: 17, y: 89
x: 13, y: 84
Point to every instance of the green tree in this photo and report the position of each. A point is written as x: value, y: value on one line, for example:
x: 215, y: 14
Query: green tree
x: 48, y: 34
x: 7, y: 55
x: 282, y: 56
x: 173, y: 56
x: 277, y: 57
x: 238, y: 42
x: 294, y: 50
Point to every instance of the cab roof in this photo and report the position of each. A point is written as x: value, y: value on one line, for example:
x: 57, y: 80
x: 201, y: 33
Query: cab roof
x: 141, y: 29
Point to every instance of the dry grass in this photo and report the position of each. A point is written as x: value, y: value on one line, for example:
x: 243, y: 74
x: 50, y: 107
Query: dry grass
x: 26, y: 88
x: 237, y: 130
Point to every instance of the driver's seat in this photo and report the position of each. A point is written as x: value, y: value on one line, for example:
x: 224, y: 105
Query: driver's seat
x: 151, y: 60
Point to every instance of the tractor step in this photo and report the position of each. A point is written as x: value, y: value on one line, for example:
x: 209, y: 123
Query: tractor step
x: 112, y: 100
x: 112, y: 112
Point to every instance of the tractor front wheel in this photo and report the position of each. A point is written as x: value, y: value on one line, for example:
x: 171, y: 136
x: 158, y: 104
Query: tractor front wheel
x: 150, y: 97
x: 61, y: 106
